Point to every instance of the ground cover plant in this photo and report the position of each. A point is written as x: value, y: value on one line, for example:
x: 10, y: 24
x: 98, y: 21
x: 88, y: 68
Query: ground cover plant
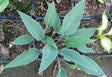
x: 70, y: 37
x: 105, y: 41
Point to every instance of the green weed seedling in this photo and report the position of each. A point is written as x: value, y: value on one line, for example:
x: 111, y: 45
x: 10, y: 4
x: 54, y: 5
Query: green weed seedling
x: 69, y: 37
x: 105, y: 41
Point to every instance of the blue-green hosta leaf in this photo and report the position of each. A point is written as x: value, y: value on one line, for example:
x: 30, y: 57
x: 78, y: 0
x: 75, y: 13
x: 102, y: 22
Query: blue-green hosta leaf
x: 57, y: 29
x: 104, y: 22
x: 50, y: 41
x: 32, y: 26
x: 72, y: 19
x: 47, y: 3
x: 109, y: 33
x: 3, y: 4
x: 24, y: 58
x: 85, y: 49
x: 49, y: 55
x: 77, y: 42
x: 83, y: 33
x: 106, y: 43
x: 62, y: 72
x: 101, y: 1
x: 92, y: 72
x: 57, y: 22
x: 71, y: 55
x: 51, y: 18
x: 24, y: 39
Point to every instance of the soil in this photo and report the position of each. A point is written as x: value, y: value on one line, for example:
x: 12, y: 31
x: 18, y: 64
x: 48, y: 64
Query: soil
x: 93, y: 7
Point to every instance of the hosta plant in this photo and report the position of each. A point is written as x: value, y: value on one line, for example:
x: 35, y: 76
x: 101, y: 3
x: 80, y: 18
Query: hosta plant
x: 69, y: 37
x: 105, y: 41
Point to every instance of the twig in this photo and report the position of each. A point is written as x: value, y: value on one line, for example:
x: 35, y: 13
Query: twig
x: 54, y: 71
x: 52, y: 34
x: 43, y: 42
x: 59, y: 40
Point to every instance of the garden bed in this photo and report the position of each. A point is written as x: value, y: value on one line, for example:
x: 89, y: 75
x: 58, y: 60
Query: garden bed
x: 10, y: 30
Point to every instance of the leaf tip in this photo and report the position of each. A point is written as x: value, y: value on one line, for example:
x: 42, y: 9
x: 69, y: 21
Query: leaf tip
x: 18, y: 11
x: 40, y: 70
x: 13, y: 42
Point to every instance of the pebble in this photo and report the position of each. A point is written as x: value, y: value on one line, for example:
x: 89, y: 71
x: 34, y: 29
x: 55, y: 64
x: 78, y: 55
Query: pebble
x: 38, y: 2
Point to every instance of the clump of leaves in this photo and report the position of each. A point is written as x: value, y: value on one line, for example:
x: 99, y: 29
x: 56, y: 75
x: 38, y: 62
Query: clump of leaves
x: 105, y: 41
x: 3, y: 4
x: 70, y: 36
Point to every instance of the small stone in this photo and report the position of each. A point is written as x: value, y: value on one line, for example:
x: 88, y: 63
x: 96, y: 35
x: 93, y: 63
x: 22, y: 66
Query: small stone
x: 1, y: 35
x: 4, y: 51
x: 38, y: 2
x: 9, y: 30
